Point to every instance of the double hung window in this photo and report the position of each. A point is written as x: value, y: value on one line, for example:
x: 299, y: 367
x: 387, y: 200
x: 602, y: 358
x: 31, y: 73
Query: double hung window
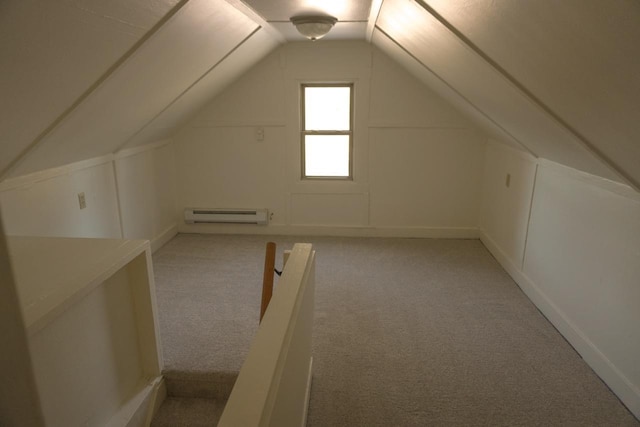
x: 327, y: 131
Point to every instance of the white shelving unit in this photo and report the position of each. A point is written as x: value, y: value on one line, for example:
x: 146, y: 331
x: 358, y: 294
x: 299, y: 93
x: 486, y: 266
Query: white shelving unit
x: 90, y: 319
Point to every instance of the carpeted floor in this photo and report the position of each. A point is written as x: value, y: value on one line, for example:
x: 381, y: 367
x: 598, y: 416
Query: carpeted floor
x: 408, y: 332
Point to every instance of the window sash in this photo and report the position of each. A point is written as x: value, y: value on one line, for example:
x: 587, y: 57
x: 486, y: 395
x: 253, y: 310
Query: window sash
x: 304, y: 132
x: 328, y: 156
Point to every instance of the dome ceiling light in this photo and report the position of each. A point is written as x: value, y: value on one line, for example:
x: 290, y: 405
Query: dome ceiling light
x: 313, y: 27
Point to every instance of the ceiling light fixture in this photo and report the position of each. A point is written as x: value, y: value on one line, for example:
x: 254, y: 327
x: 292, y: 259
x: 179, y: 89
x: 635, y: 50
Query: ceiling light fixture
x: 313, y: 27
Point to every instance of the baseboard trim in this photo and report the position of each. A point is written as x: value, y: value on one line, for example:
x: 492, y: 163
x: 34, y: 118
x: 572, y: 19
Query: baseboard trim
x: 626, y: 391
x: 158, y: 396
x: 133, y: 413
x: 164, y: 237
x: 338, y: 231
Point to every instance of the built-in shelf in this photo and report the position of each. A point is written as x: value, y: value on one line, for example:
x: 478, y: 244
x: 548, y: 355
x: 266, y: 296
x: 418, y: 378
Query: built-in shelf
x: 90, y: 319
x: 53, y: 273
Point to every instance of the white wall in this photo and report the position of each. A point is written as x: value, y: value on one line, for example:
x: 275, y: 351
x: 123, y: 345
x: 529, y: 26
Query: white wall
x: 505, y: 209
x: 46, y: 203
x: 130, y: 195
x: 407, y: 141
x: 146, y: 190
x: 19, y: 400
x: 574, y: 248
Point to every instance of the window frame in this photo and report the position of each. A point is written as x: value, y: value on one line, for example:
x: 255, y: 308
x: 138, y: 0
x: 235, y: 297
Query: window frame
x: 304, y: 132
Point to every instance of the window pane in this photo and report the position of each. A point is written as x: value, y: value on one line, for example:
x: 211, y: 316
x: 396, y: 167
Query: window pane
x: 327, y: 108
x: 326, y: 155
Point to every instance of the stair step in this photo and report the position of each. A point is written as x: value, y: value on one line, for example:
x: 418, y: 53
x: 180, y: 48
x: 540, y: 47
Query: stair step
x: 208, y: 385
x: 189, y: 412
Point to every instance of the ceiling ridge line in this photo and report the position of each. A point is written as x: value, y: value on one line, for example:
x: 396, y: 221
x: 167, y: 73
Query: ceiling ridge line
x: 581, y: 139
x: 252, y: 14
x: 337, y: 22
x: 33, y: 145
x: 374, y: 13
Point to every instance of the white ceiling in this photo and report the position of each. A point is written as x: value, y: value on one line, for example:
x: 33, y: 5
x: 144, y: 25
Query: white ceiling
x: 579, y: 59
x: 82, y: 78
x: 352, y: 16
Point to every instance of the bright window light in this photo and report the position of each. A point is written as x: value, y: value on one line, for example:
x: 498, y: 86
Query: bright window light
x: 326, y: 134
x: 327, y: 108
x: 326, y: 155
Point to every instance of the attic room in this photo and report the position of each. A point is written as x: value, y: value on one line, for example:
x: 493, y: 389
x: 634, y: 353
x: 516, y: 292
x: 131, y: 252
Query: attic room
x: 491, y: 155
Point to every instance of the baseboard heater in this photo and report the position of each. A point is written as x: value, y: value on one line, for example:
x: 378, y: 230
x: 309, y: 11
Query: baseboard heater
x: 229, y: 216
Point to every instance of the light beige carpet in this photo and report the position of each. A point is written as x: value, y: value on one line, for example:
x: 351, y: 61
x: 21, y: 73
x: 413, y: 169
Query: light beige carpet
x: 408, y: 332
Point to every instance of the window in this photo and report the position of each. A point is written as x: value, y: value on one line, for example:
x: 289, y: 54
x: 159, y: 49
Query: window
x: 327, y: 131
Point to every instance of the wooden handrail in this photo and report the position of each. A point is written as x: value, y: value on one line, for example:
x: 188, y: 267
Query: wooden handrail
x: 267, y: 277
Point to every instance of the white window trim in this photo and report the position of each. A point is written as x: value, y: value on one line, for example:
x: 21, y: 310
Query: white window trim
x: 304, y: 132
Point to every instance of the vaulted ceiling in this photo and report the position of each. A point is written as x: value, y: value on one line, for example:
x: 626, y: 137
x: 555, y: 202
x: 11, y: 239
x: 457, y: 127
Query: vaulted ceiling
x: 84, y: 78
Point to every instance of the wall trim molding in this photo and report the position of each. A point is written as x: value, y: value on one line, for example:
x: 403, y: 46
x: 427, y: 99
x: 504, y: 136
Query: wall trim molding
x: 43, y: 175
x: 626, y: 391
x: 163, y: 238
x: 496, y: 144
x: 237, y: 124
x: 128, y: 152
x: 380, y: 124
x: 339, y: 231
x: 307, y: 394
x: 619, y: 188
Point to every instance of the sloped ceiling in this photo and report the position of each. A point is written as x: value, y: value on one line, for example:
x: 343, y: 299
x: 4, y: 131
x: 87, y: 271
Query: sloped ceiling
x: 179, y: 53
x: 524, y: 72
x: 53, y: 52
x: 579, y: 60
x: 352, y: 16
x: 82, y: 78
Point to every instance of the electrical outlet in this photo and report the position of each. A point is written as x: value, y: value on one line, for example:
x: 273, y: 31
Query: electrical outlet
x: 260, y: 134
x: 82, y: 201
x: 507, y: 181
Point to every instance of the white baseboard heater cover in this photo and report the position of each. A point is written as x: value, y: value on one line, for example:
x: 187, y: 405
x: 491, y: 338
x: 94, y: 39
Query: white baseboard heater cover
x: 224, y: 215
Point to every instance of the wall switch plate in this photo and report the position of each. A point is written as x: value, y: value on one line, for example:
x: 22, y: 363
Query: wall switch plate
x: 82, y: 201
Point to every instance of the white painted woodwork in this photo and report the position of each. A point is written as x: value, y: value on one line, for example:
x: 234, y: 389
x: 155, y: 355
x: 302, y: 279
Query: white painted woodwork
x: 225, y: 167
x: 440, y: 50
x: 569, y: 239
x: 398, y: 100
x: 19, y: 399
x: 159, y: 71
x: 440, y: 87
x: 346, y: 210
x: 505, y: 209
x: 207, y: 87
x: 274, y: 383
x: 147, y: 192
x: 52, y: 52
x: 89, y: 310
x: 583, y: 256
x: 131, y: 195
x: 282, y: 10
x: 579, y: 62
x: 425, y: 177
x: 340, y: 31
x: 581, y: 59
x: 581, y: 265
x: 46, y: 203
x: 220, y: 163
